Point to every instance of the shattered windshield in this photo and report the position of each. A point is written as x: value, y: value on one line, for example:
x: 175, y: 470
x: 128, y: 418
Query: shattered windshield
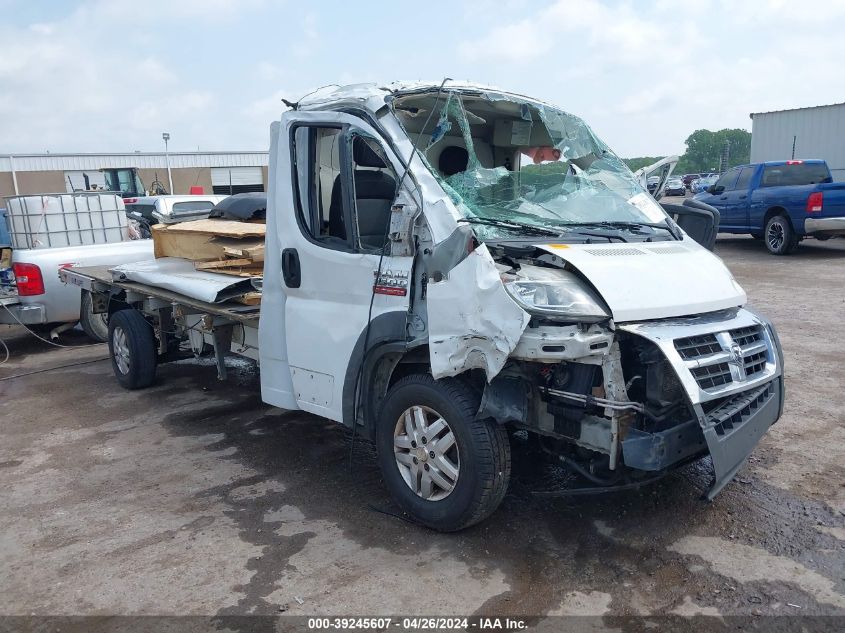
x: 515, y: 166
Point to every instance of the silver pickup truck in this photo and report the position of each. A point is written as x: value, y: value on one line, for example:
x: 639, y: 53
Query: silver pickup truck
x: 54, y: 231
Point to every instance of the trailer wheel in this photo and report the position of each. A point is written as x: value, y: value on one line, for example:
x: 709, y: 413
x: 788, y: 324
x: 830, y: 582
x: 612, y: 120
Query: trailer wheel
x: 445, y: 468
x: 132, y: 348
x: 95, y: 326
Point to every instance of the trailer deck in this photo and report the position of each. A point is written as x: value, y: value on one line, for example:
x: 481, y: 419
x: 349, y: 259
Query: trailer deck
x: 101, y: 279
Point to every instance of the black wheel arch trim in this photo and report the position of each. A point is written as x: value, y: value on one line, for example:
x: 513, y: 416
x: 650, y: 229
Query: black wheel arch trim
x: 388, y: 337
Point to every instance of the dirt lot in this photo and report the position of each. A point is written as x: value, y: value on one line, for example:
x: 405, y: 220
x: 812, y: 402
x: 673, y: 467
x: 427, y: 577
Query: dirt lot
x: 193, y: 497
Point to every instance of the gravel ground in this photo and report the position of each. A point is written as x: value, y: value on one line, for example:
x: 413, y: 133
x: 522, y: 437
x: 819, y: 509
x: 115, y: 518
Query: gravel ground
x: 194, y: 498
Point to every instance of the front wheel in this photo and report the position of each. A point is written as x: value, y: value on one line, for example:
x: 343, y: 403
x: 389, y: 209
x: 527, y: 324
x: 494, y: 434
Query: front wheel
x: 445, y: 468
x: 132, y: 347
x: 780, y: 237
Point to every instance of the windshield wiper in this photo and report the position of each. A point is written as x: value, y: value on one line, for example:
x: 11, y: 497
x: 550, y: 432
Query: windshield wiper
x: 633, y: 226
x: 521, y: 227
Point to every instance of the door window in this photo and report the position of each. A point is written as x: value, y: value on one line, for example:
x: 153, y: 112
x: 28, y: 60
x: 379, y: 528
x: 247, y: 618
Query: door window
x: 744, y: 179
x: 345, y: 188
x: 727, y: 180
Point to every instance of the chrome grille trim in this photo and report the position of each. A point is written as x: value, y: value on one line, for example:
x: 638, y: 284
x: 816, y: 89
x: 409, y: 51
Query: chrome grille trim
x: 744, y: 346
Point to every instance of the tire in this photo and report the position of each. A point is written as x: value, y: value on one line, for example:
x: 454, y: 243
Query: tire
x: 474, y: 465
x: 95, y: 326
x: 132, y: 348
x: 779, y: 236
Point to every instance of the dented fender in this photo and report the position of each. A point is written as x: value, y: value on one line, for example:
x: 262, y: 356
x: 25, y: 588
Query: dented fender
x: 473, y: 322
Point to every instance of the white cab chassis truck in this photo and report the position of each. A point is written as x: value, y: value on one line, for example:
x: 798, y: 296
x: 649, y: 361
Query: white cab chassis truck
x: 448, y: 265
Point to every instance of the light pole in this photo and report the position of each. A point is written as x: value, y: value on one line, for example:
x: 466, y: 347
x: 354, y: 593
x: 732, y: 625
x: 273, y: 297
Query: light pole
x: 166, y: 137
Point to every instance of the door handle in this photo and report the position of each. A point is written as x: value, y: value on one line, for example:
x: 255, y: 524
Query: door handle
x: 291, y: 270
x: 723, y: 198
x: 743, y: 196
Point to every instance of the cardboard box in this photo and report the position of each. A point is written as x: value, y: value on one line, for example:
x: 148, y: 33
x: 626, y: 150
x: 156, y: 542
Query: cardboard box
x: 205, y: 240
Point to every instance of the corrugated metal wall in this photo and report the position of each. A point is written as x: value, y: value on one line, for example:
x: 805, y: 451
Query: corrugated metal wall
x: 818, y: 133
x: 84, y: 162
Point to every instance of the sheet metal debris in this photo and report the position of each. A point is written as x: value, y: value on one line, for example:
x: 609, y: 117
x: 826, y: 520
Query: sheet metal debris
x: 179, y: 275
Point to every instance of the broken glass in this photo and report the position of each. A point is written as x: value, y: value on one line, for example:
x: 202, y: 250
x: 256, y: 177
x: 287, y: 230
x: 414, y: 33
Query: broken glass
x: 528, y: 163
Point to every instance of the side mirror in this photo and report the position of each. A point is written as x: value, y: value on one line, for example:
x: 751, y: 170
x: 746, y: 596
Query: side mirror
x: 698, y: 220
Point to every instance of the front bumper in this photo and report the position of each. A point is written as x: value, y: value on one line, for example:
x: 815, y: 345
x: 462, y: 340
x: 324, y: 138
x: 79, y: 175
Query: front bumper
x: 27, y: 314
x: 824, y: 226
x: 729, y: 433
x: 733, y: 412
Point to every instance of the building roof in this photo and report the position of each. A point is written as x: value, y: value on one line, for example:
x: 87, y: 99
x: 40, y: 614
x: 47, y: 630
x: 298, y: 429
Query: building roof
x: 143, y: 160
x: 828, y: 105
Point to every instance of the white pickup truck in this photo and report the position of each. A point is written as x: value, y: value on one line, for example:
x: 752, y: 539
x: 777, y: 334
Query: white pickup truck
x: 448, y: 265
x: 53, y: 231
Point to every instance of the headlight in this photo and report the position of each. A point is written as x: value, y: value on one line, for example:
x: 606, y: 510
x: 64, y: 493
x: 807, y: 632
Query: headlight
x: 564, y: 297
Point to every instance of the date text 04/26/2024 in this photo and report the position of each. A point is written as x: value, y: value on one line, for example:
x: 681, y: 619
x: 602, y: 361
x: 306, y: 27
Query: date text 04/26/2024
x: 416, y: 623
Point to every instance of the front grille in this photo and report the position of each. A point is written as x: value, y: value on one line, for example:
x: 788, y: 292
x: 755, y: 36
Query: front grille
x: 697, y: 346
x: 711, y: 376
x: 725, y: 357
x: 734, y: 411
x: 747, y: 335
x: 754, y: 364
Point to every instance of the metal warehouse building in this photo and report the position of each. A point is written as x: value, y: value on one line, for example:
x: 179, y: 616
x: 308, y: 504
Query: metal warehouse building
x: 816, y: 132
x: 217, y: 172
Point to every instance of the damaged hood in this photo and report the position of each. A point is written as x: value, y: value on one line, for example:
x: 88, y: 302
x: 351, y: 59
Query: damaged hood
x: 654, y: 280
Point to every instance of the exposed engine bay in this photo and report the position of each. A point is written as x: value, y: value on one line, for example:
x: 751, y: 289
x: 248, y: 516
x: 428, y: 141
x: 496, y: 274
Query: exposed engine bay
x: 622, y: 403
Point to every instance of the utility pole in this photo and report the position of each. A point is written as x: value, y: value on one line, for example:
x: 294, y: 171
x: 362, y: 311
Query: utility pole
x: 794, y: 138
x: 166, y: 137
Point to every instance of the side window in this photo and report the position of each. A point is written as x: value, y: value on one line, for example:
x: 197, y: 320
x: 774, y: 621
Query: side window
x: 772, y: 176
x: 193, y: 205
x: 744, y: 179
x: 375, y: 189
x: 727, y: 180
x: 319, y: 183
x: 345, y: 187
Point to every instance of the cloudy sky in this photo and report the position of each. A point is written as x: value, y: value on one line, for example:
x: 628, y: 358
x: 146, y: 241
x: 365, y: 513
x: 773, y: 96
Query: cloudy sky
x: 111, y: 75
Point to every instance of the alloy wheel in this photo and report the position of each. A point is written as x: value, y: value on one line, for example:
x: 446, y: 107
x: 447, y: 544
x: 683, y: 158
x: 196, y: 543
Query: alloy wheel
x: 120, y: 350
x: 426, y: 453
x: 776, y: 235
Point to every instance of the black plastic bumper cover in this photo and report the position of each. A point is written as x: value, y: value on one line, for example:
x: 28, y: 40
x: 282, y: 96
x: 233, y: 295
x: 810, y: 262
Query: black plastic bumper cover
x: 730, y: 433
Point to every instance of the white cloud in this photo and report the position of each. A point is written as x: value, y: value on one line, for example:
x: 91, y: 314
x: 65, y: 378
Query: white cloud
x: 647, y: 75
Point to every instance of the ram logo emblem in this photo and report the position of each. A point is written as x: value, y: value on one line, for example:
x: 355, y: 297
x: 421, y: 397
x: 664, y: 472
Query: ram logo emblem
x: 736, y: 355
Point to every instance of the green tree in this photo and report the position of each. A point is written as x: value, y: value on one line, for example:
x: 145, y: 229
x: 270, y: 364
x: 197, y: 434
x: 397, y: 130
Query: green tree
x: 641, y: 161
x: 704, y: 149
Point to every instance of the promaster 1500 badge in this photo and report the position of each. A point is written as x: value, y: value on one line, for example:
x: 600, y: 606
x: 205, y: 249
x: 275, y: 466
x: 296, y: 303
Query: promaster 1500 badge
x: 391, y: 282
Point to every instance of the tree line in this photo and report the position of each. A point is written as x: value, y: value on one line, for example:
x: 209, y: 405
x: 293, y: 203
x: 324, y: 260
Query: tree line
x: 704, y: 149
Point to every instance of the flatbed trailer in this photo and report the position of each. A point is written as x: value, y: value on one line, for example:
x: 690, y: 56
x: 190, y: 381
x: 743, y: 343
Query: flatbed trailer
x: 226, y: 327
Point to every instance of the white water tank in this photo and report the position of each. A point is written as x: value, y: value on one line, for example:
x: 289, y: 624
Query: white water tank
x: 73, y: 219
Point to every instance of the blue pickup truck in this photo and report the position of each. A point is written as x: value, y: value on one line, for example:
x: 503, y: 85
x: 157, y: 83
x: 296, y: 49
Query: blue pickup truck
x: 781, y: 202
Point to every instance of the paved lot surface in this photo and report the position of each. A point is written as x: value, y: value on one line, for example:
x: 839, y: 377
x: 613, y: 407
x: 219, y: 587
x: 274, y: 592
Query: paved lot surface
x: 193, y: 497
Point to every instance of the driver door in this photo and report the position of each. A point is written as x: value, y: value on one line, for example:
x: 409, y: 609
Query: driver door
x: 330, y: 216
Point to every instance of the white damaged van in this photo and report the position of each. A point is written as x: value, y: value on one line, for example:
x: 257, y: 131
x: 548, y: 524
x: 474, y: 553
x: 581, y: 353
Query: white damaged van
x: 449, y: 264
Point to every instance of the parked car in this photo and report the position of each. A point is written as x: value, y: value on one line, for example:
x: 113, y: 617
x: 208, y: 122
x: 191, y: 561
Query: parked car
x: 688, y: 178
x: 781, y: 201
x: 52, y: 231
x: 653, y: 182
x: 704, y: 182
x: 150, y: 210
x: 675, y: 187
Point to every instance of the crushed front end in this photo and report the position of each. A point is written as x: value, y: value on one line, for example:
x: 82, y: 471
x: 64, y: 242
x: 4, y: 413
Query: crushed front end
x: 644, y: 398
